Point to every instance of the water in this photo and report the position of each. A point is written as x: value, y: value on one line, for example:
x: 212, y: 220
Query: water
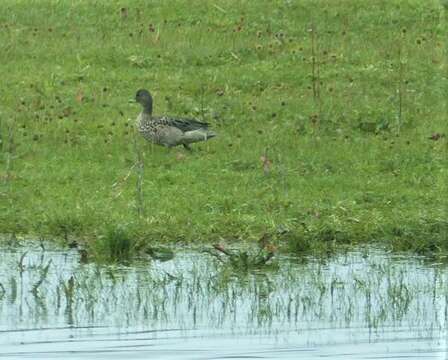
x: 353, y: 306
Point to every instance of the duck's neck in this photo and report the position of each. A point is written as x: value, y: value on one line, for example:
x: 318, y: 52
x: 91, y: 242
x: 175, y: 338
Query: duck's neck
x: 147, y: 107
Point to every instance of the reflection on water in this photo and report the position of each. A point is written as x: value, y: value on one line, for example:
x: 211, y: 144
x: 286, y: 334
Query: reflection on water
x: 193, y: 307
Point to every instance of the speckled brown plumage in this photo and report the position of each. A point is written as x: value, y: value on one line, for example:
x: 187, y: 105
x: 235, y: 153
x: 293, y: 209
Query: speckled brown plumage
x: 168, y: 131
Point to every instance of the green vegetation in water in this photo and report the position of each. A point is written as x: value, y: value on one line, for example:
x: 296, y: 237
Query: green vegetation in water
x: 331, y: 119
x: 246, y: 260
x: 374, y: 291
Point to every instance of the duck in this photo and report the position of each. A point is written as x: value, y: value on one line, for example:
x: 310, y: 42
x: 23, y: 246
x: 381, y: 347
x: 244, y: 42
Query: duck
x: 166, y: 130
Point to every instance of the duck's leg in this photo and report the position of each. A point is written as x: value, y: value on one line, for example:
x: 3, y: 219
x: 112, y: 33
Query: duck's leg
x: 187, y: 147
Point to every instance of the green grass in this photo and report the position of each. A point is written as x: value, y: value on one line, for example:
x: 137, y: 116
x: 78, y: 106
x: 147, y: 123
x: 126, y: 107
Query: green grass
x: 349, y: 155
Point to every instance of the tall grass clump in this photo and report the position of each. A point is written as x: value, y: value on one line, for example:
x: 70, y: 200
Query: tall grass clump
x: 116, y: 244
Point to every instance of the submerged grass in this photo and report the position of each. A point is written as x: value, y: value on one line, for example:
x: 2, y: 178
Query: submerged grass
x: 331, y: 119
x: 375, y: 292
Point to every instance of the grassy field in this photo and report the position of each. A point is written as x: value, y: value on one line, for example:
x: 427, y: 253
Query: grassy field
x: 331, y: 116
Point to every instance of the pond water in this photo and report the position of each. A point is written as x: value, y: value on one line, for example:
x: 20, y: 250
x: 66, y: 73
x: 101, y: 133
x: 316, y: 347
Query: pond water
x: 368, y: 305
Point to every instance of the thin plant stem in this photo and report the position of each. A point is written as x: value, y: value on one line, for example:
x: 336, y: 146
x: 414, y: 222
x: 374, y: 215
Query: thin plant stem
x: 313, y: 62
x: 140, y: 177
x: 9, y: 153
x: 315, y: 70
x: 400, y: 86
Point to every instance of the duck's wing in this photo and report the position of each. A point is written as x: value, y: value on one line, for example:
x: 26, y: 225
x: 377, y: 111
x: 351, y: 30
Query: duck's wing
x: 182, y: 124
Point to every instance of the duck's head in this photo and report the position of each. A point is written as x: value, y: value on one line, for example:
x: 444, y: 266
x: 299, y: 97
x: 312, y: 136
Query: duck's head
x: 144, y: 98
